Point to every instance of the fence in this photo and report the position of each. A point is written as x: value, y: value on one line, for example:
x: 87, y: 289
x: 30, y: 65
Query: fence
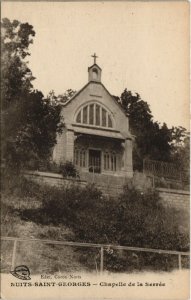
x: 101, y: 247
x: 162, y: 169
x: 166, y: 173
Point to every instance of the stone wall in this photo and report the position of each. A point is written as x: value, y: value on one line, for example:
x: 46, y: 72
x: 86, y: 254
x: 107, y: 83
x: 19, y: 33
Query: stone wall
x: 108, y: 184
x: 52, y: 179
x: 112, y: 186
x: 178, y: 199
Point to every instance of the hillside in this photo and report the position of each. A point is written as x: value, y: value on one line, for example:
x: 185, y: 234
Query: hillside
x: 39, y: 257
x: 134, y: 219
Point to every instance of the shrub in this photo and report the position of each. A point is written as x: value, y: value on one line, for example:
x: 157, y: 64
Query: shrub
x: 145, y: 222
x: 136, y: 219
x: 68, y: 170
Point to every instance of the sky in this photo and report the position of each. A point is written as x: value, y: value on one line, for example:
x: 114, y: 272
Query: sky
x: 141, y: 46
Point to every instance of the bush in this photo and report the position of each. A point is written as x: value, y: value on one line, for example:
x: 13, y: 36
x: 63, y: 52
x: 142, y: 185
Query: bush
x: 81, y: 208
x: 145, y: 222
x: 136, y: 219
x: 68, y: 170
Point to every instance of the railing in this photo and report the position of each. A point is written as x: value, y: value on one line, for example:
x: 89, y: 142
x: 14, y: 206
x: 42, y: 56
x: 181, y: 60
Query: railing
x: 166, y: 173
x: 102, y: 248
x: 160, y: 168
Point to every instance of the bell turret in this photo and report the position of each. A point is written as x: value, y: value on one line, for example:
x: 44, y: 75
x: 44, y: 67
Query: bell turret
x: 94, y: 72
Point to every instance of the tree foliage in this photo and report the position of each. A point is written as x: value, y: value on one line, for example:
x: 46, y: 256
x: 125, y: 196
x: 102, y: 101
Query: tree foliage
x: 152, y: 140
x: 35, y: 130
x: 61, y: 98
x: 16, y: 76
x: 181, y: 150
x: 29, y: 122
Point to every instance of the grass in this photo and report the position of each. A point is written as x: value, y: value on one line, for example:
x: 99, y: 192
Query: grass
x: 39, y: 257
x: 33, y: 211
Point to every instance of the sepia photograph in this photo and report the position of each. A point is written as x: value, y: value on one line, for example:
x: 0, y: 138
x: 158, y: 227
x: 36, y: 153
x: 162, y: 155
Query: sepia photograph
x: 95, y: 150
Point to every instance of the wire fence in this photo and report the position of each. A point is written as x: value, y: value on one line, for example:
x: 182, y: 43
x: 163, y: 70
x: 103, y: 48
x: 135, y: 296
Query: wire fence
x: 102, y: 248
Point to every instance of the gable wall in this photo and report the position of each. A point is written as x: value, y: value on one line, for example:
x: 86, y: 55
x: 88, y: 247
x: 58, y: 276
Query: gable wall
x: 103, y: 97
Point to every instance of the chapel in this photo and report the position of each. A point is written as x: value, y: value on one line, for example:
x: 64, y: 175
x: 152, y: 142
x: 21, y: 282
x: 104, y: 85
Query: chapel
x: 96, y: 137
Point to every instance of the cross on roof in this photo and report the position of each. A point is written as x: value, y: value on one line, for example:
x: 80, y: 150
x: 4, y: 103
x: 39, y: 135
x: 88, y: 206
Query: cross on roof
x: 94, y: 56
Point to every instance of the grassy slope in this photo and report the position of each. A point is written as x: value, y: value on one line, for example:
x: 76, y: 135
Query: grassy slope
x: 37, y: 256
x: 22, y: 217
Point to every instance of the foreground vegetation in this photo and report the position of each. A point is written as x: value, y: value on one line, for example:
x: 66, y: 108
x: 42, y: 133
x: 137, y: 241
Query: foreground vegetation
x: 84, y: 214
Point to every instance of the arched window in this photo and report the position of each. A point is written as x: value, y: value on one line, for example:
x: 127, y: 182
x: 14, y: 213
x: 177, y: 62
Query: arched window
x: 95, y: 73
x: 94, y: 114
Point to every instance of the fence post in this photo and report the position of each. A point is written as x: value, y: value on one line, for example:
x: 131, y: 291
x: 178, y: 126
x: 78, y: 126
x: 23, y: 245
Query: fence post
x: 101, y: 261
x: 153, y: 181
x: 144, y: 166
x: 14, y: 255
x: 93, y: 175
x: 108, y: 187
x: 179, y: 262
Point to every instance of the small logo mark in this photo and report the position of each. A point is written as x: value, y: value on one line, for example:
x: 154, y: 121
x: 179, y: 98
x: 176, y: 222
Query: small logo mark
x: 21, y: 272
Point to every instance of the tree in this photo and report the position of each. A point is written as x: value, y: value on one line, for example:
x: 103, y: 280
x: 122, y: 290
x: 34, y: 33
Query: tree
x: 29, y: 122
x: 151, y: 139
x: 62, y: 98
x: 181, y: 151
x: 36, y: 133
x: 16, y: 76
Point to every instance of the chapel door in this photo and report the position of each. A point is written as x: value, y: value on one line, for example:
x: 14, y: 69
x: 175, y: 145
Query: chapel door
x: 94, y: 161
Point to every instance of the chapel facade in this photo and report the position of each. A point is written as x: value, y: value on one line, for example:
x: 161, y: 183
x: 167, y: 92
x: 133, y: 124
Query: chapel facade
x: 96, y: 137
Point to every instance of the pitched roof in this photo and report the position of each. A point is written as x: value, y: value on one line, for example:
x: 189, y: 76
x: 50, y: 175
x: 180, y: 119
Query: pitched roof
x: 93, y: 66
x: 78, y: 92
